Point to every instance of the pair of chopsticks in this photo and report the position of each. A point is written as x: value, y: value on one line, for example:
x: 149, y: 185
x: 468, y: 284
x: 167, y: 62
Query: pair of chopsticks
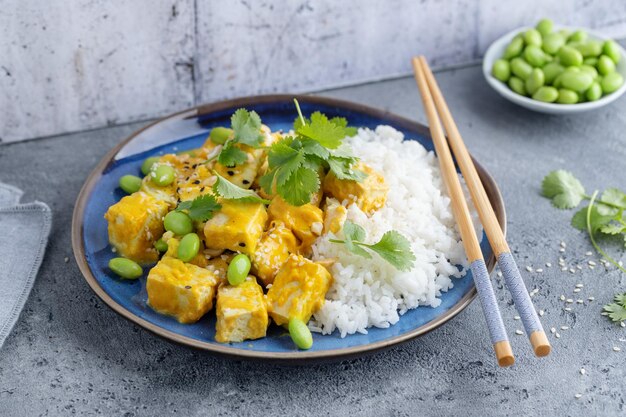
x: 434, y: 103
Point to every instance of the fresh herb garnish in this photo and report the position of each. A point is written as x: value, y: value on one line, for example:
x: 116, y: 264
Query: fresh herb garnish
x: 616, y: 311
x: 392, y: 246
x: 295, y: 162
x: 230, y: 191
x: 246, y: 127
x: 231, y: 155
x: 201, y: 208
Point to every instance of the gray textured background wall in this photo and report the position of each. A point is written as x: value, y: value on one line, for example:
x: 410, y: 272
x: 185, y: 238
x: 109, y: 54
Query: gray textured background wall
x: 80, y: 64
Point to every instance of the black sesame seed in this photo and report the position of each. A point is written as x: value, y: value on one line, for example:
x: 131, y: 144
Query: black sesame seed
x: 201, y: 189
x: 246, y: 182
x: 230, y: 172
x: 194, y: 166
x: 196, y: 182
x: 188, y: 287
x: 243, y: 245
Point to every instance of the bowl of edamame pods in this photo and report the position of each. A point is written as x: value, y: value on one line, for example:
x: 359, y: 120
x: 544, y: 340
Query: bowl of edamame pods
x: 556, y: 70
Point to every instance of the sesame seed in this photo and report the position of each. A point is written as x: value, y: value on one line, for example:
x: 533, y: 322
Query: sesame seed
x: 579, y: 285
x: 539, y: 270
x: 563, y: 244
x: 519, y: 332
x: 576, y: 289
x: 557, y: 335
x: 562, y: 297
x: 582, y: 371
x: 66, y: 259
x: 561, y: 259
x: 569, y: 301
x: 564, y: 327
x: 592, y: 263
x: 577, y: 396
x: 562, y: 250
x: 552, y: 330
x: 548, y: 264
x: 572, y: 270
x: 579, y: 267
x: 623, y: 324
x: 591, y: 298
x: 567, y: 309
x: 616, y: 349
x: 516, y: 318
x: 589, y: 253
x: 579, y: 301
x: 541, y: 312
x: 499, y: 274
x: 564, y: 269
x: 529, y: 268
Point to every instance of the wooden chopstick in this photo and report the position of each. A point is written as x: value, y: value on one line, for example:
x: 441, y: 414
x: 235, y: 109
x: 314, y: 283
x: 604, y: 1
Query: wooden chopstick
x: 497, y: 332
x: 509, y: 269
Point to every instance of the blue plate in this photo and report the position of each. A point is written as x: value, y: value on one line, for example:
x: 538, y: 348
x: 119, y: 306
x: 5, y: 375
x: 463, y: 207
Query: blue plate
x: 188, y: 130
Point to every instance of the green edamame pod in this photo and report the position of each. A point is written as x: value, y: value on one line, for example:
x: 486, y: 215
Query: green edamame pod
x: 612, y: 50
x: 544, y: 26
x: 300, y: 334
x: 238, y: 269
x: 535, y: 80
x: 514, y: 48
x: 501, y: 70
x: 576, y: 81
x: 130, y: 183
x: 146, y: 167
x: 521, y: 68
x: 188, y: 247
x: 611, y: 82
x: 570, y: 56
x: 546, y: 94
x: 578, y: 36
x: 593, y: 61
x: 605, y: 65
x: 552, y: 43
x: 589, y: 70
x: 125, y: 268
x: 178, y: 223
x: 534, y: 56
x: 567, y: 96
x: 594, y: 92
x: 517, y: 85
x: 532, y: 37
x: 551, y: 71
x: 219, y: 135
x: 162, y: 175
x: 160, y: 245
x: 589, y: 48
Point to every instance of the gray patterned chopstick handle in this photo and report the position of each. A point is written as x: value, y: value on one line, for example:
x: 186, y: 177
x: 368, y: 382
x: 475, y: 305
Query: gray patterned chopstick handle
x: 497, y: 332
x: 518, y: 290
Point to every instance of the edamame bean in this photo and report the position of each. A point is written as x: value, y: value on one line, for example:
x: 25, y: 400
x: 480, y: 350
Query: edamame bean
x: 589, y: 70
x: 593, y: 61
x: 611, y: 82
x: 220, y: 135
x: 125, y: 268
x: 551, y: 70
x: 544, y: 26
x: 605, y: 65
x: 300, y: 334
x: 514, y: 48
x: 238, y: 269
x: 178, y: 223
x: 546, y: 94
x: 578, y: 36
x: 552, y: 43
x: 130, y: 183
x: 521, y: 68
x: 162, y: 175
x: 567, y: 96
x: 589, y: 48
x: 501, y: 70
x: 517, y: 85
x: 570, y: 56
x: 535, y: 80
x: 534, y: 56
x: 160, y: 245
x: 565, y: 33
x: 576, y: 81
x: 532, y: 37
x: 611, y: 49
x: 188, y: 247
x: 594, y: 92
x: 146, y: 167
x: 557, y: 81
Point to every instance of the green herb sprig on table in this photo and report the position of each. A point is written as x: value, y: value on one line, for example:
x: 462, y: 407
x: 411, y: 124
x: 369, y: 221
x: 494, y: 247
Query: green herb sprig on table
x: 295, y: 162
x: 392, y: 246
x: 602, y: 216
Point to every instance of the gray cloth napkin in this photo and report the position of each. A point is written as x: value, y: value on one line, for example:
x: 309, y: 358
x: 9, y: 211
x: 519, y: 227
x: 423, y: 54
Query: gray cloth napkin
x: 25, y: 229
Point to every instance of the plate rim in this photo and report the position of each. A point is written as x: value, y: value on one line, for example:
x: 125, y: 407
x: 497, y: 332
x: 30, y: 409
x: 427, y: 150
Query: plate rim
x: 296, y: 357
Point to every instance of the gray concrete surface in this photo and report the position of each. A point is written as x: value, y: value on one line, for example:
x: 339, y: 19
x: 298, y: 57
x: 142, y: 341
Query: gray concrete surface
x: 70, y: 354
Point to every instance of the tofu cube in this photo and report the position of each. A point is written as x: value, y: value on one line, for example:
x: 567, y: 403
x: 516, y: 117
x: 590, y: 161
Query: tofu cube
x: 182, y: 290
x: 369, y: 194
x: 298, y: 290
x: 275, y: 246
x: 334, y: 216
x: 134, y: 224
x: 243, y: 174
x: 241, y: 312
x: 236, y: 226
x: 306, y: 221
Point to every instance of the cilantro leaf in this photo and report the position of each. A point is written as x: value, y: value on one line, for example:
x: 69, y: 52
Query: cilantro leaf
x: 616, y: 311
x: 311, y: 147
x: 230, y: 191
x: 614, y: 197
x: 563, y: 188
x: 343, y: 122
x: 342, y: 168
x: 324, y: 131
x: 231, y: 155
x: 579, y: 221
x: 621, y: 299
x: 247, y: 127
x: 613, y: 229
x: 285, y: 159
x: 354, y: 233
x: 201, y: 208
x: 298, y: 187
x: 395, y: 249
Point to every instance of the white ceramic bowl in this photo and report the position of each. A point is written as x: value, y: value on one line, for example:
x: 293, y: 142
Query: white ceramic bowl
x: 496, y: 50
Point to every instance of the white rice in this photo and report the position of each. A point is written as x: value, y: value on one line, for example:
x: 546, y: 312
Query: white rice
x: 371, y: 292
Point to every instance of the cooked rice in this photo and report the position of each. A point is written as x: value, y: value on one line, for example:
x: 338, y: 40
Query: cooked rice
x: 371, y: 292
